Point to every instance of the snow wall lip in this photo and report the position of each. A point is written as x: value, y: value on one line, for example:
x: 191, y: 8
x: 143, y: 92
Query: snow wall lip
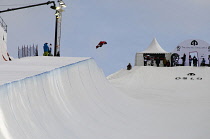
x: 46, y: 70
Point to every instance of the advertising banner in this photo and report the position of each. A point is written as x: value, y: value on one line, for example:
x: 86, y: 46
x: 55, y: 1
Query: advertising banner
x: 191, y: 53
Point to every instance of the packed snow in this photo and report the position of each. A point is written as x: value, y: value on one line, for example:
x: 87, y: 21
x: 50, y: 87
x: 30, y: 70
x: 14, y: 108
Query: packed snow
x: 29, y: 66
x: 70, y: 98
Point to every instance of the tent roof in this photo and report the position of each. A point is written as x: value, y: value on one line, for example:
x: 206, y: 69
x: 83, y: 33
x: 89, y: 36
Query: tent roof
x: 154, y: 47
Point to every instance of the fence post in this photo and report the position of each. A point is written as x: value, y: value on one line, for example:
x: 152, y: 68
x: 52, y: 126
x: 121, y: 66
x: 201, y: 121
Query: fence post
x: 33, y: 50
x: 37, y: 50
x: 29, y: 50
x: 26, y: 50
x: 23, y: 51
x: 18, y: 52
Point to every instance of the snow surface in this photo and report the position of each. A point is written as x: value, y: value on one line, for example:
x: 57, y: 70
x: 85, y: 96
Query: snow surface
x: 70, y: 98
x: 25, y: 67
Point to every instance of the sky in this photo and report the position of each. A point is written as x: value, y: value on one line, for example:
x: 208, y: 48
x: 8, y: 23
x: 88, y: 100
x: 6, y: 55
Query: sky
x: 128, y: 26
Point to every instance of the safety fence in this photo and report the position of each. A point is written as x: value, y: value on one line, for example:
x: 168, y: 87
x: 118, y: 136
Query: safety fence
x: 26, y: 51
x: 3, y: 24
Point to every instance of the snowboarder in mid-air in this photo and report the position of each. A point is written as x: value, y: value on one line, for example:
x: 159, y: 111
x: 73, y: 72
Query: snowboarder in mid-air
x: 101, y: 43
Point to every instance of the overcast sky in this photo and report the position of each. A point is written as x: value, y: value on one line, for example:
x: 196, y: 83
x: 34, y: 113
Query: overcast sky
x: 128, y: 26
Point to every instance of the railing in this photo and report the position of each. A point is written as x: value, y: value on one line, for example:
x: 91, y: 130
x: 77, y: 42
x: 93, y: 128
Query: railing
x: 3, y: 24
x: 26, y: 51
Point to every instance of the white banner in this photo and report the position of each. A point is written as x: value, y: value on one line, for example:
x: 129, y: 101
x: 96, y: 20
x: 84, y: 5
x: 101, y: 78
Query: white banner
x: 191, y: 53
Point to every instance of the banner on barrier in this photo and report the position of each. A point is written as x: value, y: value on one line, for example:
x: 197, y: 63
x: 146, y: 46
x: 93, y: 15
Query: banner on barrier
x: 191, y: 53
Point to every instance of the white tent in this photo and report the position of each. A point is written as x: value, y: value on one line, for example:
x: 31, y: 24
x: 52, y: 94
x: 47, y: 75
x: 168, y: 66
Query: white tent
x: 153, y: 49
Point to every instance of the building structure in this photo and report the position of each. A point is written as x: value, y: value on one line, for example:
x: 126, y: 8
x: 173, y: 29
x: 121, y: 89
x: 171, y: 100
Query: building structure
x: 153, y: 52
x: 192, y: 52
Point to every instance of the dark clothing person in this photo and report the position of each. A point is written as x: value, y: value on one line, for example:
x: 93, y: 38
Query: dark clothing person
x: 190, y: 60
x: 157, y: 61
x: 145, y: 61
x: 50, y: 50
x: 129, y: 67
x: 203, y: 62
x: 164, y: 62
x: 209, y: 60
x: 152, y: 62
x: 183, y: 60
x: 195, y: 61
x: 168, y: 64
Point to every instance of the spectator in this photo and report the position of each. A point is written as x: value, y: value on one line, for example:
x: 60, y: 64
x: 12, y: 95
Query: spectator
x: 190, y: 60
x: 164, y: 62
x: 46, y: 49
x: 50, y: 50
x: 157, y: 61
x: 129, y: 67
x: 203, y: 62
x: 152, y: 61
x: 145, y: 61
x: 168, y: 64
x: 195, y: 61
x: 183, y: 59
x: 209, y: 60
